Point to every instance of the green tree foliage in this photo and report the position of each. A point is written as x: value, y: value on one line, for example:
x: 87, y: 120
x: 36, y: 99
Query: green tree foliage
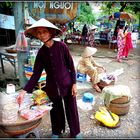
x: 108, y: 9
x: 6, y: 8
x: 135, y: 6
x: 130, y: 7
x: 86, y: 15
x: 6, y: 4
x: 111, y: 7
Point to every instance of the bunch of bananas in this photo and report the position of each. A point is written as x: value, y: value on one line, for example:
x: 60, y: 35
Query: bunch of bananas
x: 106, y: 117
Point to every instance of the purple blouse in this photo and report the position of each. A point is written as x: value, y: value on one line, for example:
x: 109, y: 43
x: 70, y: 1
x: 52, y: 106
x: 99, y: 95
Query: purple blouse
x: 59, y: 66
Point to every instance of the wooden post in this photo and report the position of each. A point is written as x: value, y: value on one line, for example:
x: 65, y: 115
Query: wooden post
x: 21, y: 56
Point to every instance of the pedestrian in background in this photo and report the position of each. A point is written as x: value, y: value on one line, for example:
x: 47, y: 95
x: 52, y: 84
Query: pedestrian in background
x: 120, y: 43
x: 84, y: 34
x: 128, y: 42
x: 91, y: 36
x: 55, y: 58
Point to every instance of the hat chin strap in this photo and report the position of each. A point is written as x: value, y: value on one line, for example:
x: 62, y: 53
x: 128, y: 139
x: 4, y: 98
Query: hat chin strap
x: 49, y: 39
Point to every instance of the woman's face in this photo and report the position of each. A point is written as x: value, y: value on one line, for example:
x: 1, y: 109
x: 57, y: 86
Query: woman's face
x: 43, y: 34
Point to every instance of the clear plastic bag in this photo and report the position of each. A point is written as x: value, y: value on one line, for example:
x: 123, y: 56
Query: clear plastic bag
x: 27, y: 102
x: 21, y: 42
x: 8, y: 108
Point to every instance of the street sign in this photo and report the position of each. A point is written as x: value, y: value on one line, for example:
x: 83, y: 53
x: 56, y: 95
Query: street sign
x: 54, y: 11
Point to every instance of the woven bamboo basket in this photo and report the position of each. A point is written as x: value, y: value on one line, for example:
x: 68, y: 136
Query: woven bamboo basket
x: 103, y: 84
x: 120, y: 100
x: 21, y: 126
x: 120, y: 106
x: 11, y: 50
x: 119, y: 109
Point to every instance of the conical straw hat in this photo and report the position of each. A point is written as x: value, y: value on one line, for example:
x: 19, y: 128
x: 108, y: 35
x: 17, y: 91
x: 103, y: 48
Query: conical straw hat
x: 31, y: 32
x: 89, y: 51
x: 93, y: 27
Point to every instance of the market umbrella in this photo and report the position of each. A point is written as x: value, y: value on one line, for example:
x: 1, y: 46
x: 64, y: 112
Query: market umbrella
x: 122, y: 16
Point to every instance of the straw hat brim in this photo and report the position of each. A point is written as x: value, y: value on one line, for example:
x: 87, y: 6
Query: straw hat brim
x: 89, y: 51
x: 31, y: 32
x: 93, y: 27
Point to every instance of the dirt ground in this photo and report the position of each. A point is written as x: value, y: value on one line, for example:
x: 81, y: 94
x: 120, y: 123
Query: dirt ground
x: 130, y: 123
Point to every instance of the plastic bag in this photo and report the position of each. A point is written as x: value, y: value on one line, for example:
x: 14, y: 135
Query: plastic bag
x: 8, y: 107
x: 21, y: 42
x: 107, y: 78
x: 106, y: 117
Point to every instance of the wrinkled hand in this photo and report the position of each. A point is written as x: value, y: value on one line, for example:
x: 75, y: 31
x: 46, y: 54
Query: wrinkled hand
x: 20, y: 97
x: 74, y: 90
x: 104, y: 69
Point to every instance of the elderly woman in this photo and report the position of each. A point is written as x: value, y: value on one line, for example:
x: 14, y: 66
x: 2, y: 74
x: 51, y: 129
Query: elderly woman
x: 54, y: 56
x: 88, y: 66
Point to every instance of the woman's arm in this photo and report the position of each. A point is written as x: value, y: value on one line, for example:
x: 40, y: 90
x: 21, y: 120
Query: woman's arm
x: 37, y: 70
x: 74, y: 90
x: 122, y: 35
x: 97, y: 64
x: 32, y: 81
x: 20, y: 97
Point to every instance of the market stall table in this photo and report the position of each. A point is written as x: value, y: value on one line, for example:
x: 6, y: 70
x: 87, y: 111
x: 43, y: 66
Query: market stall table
x: 10, y: 57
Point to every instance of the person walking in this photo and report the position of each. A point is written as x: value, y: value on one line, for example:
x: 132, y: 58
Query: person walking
x: 128, y: 42
x: 91, y: 36
x: 54, y: 56
x: 120, y: 43
x: 84, y: 34
x: 87, y: 65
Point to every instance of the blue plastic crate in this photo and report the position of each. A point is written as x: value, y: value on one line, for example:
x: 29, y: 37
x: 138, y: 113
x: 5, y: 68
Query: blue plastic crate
x: 81, y: 77
x: 88, y: 97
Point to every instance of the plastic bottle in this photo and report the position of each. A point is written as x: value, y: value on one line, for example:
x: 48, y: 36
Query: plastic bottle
x: 32, y: 57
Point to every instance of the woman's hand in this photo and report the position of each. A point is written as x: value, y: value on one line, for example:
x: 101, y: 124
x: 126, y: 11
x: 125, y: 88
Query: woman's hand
x: 74, y: 90
x: 20, y: 96
x: 104, y: 69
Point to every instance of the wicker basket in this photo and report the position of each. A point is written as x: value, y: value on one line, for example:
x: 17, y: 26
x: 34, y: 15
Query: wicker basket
x: 11, y: 50
x: 123, y: 99
x: 111, y: 127
x: 103, y: 84
x: 21, y: 126
x: 119, y: 108
x: 20, y: 130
